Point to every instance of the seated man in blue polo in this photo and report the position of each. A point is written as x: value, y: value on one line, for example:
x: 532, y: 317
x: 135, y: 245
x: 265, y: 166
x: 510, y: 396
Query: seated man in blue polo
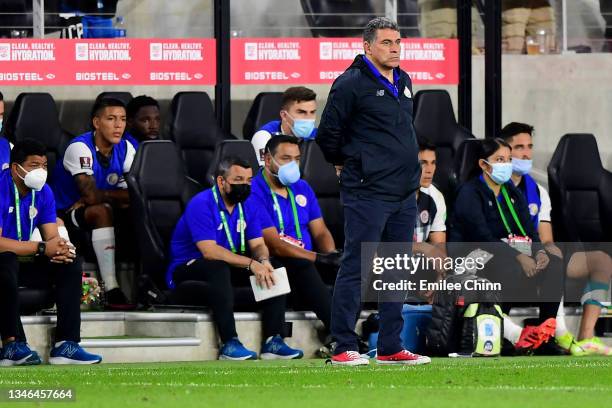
x: 5, y: 147
x: 218, y: 240
x: 297, y: 118
x: 90, y: 187
x: 143, y: 120
x: 26, y: 203
x: 293, y: 227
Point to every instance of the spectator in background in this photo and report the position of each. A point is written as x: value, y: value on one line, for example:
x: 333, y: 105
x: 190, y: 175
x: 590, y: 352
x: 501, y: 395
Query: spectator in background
x: 5, y: 147
x: 209, y: 244
x: 293, y: 227
x: 492, y: 212
x: 89, y: 187
x: 27, y: 202
x: 143, y: 120
x: 595, y: 265
x: 438, y: 18
x: 297, y: 118
x: 526, y: 17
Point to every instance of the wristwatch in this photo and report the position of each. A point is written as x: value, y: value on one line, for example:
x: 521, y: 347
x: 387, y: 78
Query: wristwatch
x: 41, y: 248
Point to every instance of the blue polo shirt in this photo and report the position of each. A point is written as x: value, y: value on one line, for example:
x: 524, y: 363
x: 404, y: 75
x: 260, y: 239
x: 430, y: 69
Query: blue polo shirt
x: 393, y: 87
x: 5, y: 153
x: 306, y: 203
x: 44, y: 203
x: 202, y: 222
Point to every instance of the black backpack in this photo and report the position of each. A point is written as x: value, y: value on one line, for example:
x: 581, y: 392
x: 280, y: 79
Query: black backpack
x: 464, y: 323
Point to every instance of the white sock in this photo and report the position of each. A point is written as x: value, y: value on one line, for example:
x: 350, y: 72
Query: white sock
x: 512, y: 331
x: 561, y: 328
x: 103, y: 241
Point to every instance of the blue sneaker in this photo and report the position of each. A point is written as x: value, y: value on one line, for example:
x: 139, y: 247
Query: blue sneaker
x: 234, y: 350
x: 18, y: 353
x: 70, y: 352
x: 275, y: 348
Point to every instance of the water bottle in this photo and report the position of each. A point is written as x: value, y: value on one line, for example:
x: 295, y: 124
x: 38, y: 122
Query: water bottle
x: 120, y: 30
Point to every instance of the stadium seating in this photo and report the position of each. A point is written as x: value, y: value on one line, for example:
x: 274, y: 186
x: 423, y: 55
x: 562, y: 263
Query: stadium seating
x: 240, y: 148
x: 158, y: 196
x: 322, y: 178
x: 434, y: 121
x: 194, y: 129
x: 34, y: 115
x: 465, y: 159
x: 580, y: 191
x: 265, y: 108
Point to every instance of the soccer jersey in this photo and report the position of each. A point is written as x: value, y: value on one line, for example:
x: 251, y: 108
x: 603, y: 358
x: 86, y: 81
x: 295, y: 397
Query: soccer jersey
x: 82, y: 157
x: 431, y: 216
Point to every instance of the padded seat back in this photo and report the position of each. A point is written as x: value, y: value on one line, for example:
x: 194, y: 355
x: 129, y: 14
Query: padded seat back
x: 321, y: 176
x: 265, y: 108
x: 194, y: 129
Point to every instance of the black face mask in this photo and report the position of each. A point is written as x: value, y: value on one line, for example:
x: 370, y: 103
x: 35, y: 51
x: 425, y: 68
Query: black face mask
x: 238, y: 193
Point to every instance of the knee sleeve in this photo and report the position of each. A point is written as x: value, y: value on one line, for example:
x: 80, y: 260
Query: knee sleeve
x: 595, y: 293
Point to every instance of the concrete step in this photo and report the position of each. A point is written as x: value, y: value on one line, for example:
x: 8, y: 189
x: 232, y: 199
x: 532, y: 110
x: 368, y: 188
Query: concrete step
x: 188, y: 336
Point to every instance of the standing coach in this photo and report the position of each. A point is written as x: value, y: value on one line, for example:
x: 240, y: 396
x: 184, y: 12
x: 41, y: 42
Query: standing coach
x: 366, y: 132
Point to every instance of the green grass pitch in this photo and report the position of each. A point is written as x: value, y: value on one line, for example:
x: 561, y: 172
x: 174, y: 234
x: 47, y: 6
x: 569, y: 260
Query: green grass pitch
x: 504, y: 382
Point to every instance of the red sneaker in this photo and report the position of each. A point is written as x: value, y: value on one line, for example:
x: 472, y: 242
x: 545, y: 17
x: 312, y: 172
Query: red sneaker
x: 403, y: 357
x: 533, y: 337
x: 349, y: 358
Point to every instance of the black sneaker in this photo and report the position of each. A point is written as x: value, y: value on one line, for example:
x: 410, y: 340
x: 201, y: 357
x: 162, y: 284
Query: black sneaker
x: 115, y: 300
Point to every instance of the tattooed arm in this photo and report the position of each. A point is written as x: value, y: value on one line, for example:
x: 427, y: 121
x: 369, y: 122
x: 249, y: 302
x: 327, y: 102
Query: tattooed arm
x: 91, y: 195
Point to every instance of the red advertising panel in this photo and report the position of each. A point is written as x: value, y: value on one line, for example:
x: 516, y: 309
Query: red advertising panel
x: 107, y: 62
x: 321, y: 60
x: 256, y: 61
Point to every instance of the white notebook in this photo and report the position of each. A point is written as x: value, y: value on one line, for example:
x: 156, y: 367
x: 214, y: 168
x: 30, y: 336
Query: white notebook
x: 280, y: 288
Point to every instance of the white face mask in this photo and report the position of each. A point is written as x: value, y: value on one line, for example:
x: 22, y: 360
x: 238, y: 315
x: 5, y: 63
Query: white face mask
x: 34, y: 179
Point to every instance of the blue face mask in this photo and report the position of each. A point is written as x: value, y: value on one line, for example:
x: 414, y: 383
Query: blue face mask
x: 288, y: 173
x: 302, y: 128
x: 521, y: 166
x: 501, y: 172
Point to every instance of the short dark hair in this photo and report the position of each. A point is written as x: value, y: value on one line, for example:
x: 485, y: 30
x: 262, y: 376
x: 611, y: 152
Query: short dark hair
x: 426, y: 145
x: 226, y: 164
x: 139, y: 102
x: 276, y: 140
x: 297, y: 94
x: 102, y: 103
x: 1, y: 97
x: 25, y: 148
x: 514, y: 128
x: 378, y: 23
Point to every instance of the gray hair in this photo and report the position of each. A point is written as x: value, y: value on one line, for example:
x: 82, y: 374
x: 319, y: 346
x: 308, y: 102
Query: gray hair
x: 378, y: 23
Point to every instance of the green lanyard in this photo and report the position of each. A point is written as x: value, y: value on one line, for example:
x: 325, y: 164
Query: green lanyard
x: 228, y: 234
x: 279, y: 214
x: 511, y: 207
x: 18, y: 213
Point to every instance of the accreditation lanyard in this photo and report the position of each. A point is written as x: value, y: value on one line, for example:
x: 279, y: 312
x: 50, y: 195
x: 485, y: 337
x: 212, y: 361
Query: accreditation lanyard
x: 279, y: 214
x: 18, y: 213
x: 241, y: 226
x: 512, y: 211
